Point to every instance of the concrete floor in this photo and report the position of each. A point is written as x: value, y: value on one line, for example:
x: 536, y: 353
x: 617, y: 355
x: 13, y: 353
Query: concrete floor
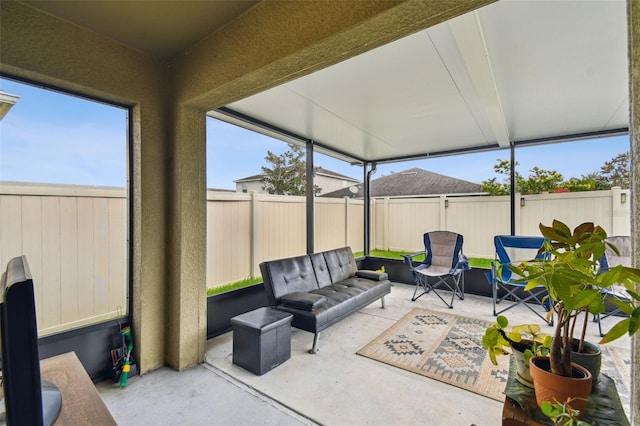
x: 333, y: 387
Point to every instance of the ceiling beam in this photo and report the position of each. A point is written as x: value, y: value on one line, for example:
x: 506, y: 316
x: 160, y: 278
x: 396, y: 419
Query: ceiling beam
x: 476, y: 82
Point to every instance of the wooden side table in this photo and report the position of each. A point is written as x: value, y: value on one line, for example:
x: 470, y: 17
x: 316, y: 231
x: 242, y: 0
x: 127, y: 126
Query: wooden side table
x: 81, y: 402
x: 513, y: 415
x: 520, y: 408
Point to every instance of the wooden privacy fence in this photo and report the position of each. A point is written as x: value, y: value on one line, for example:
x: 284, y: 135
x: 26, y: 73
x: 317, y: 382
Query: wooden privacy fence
x: 75, y: 238
x: 246, y: 229
x: 399, y: 223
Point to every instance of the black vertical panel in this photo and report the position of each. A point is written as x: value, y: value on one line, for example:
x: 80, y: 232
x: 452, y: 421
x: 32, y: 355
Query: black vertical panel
x: 310, y: 199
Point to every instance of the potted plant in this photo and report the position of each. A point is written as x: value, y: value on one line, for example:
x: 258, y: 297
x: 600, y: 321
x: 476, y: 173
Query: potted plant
x: 575, y: 285
x: 562, y: 414
x: 524, y: 340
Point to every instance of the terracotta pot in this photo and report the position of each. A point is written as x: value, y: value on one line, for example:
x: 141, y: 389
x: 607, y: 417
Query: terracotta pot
x: 522, y: 364
x: 591, y: 358
x: 554, y: 388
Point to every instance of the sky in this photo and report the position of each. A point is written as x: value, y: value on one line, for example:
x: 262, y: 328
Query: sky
x: 75, y: 141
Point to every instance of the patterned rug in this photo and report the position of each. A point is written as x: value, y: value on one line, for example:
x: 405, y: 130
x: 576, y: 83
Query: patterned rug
x: 444, y: 347
x: 616, y: 363
x: 448, y: 348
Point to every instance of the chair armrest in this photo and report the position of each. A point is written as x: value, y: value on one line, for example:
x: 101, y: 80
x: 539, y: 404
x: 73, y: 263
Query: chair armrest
x: 408, y: 258
x: 463, y: 262
x: 372, y: 275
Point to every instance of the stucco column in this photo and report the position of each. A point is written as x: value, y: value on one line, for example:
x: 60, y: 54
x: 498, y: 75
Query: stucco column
x: 634, y: 129
x: 186, y: 294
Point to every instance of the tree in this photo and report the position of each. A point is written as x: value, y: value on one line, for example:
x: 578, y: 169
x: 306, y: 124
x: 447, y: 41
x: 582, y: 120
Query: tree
x: 616, y: 172
x: 540, y: 180
x: 287, y: 174
x: 589, y: 182
x: 492, y: 186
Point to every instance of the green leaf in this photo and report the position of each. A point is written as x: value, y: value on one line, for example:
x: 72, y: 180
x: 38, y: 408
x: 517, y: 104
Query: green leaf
x: 617, y: 331
x: 515, y: 337
x: 633, y: 294
x: 634, y: 321
x: 547, y: 408
x: 550, y: 410
x: 502, y: 321
x: 582, y: 299
x: 530, y: 329
x: 553, y: 233
x: 584, y: 228
x: 622, y: 305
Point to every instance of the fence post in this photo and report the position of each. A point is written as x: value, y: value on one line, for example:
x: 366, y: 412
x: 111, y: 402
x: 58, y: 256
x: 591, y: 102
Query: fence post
x: 618, y: 213
x: 346, y: 221
x: 373, y: 234
x: 385, y: 223
x: 442, y: 220
x: 519, y: 202
x: 254, y: 235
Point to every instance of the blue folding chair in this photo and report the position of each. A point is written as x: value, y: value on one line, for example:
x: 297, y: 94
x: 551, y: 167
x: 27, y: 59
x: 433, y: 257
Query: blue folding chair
x: 502, y: 278
x: 444, y: 263
x: 611, y: 259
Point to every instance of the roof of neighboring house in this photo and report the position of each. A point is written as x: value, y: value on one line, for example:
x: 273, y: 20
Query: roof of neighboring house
x: 6, y: 102
x: 319, y: 171
x: 412, y: 182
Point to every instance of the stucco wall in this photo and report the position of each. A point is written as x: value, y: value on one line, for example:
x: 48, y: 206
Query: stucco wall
x: 38, y: 47
x: 634, y: 126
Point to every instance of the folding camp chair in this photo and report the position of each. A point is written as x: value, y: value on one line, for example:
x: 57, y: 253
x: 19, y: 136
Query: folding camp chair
x: 611, y: 258
x: 502, y: 278
x: 443, y: 263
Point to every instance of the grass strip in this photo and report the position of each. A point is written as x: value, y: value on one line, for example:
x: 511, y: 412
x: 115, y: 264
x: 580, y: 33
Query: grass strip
x: 475, y: 262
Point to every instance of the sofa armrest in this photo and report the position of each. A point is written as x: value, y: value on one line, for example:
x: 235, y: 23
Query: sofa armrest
x: 372, y: 275
x: 303, y: 301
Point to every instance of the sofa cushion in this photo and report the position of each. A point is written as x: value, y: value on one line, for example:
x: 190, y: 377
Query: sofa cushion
x: 322, y: 270
x: 341, y: 264
x: 303, y: 301
x: 286, y: 276
x: 342, y: 299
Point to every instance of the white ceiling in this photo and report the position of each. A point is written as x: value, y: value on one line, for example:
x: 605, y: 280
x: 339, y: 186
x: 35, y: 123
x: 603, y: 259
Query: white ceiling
x: 512, y: 71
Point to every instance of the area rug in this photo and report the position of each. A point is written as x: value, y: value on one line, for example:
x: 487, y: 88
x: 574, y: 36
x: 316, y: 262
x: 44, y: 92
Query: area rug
x: 443, y: 347
x: 616, y: 363
x: 448, y: 348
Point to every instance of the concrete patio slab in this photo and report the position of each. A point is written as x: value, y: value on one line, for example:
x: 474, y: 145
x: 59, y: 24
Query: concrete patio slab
x: 333, y: 387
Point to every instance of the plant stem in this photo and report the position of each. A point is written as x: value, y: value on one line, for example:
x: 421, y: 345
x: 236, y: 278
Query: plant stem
x: 566, y: 347
x: 573, y: 325
x: 555, y: 353
x: 584, y: 330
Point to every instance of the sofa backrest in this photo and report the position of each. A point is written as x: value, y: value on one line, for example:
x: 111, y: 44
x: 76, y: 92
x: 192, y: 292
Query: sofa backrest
x: 341, y: 263
x: 286, y: 276
x: 322, y: 270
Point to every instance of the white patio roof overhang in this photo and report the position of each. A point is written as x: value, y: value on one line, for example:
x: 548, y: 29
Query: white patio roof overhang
x: 511, y: 73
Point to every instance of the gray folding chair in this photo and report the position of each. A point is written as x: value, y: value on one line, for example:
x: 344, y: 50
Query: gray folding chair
x: 443, y: 265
